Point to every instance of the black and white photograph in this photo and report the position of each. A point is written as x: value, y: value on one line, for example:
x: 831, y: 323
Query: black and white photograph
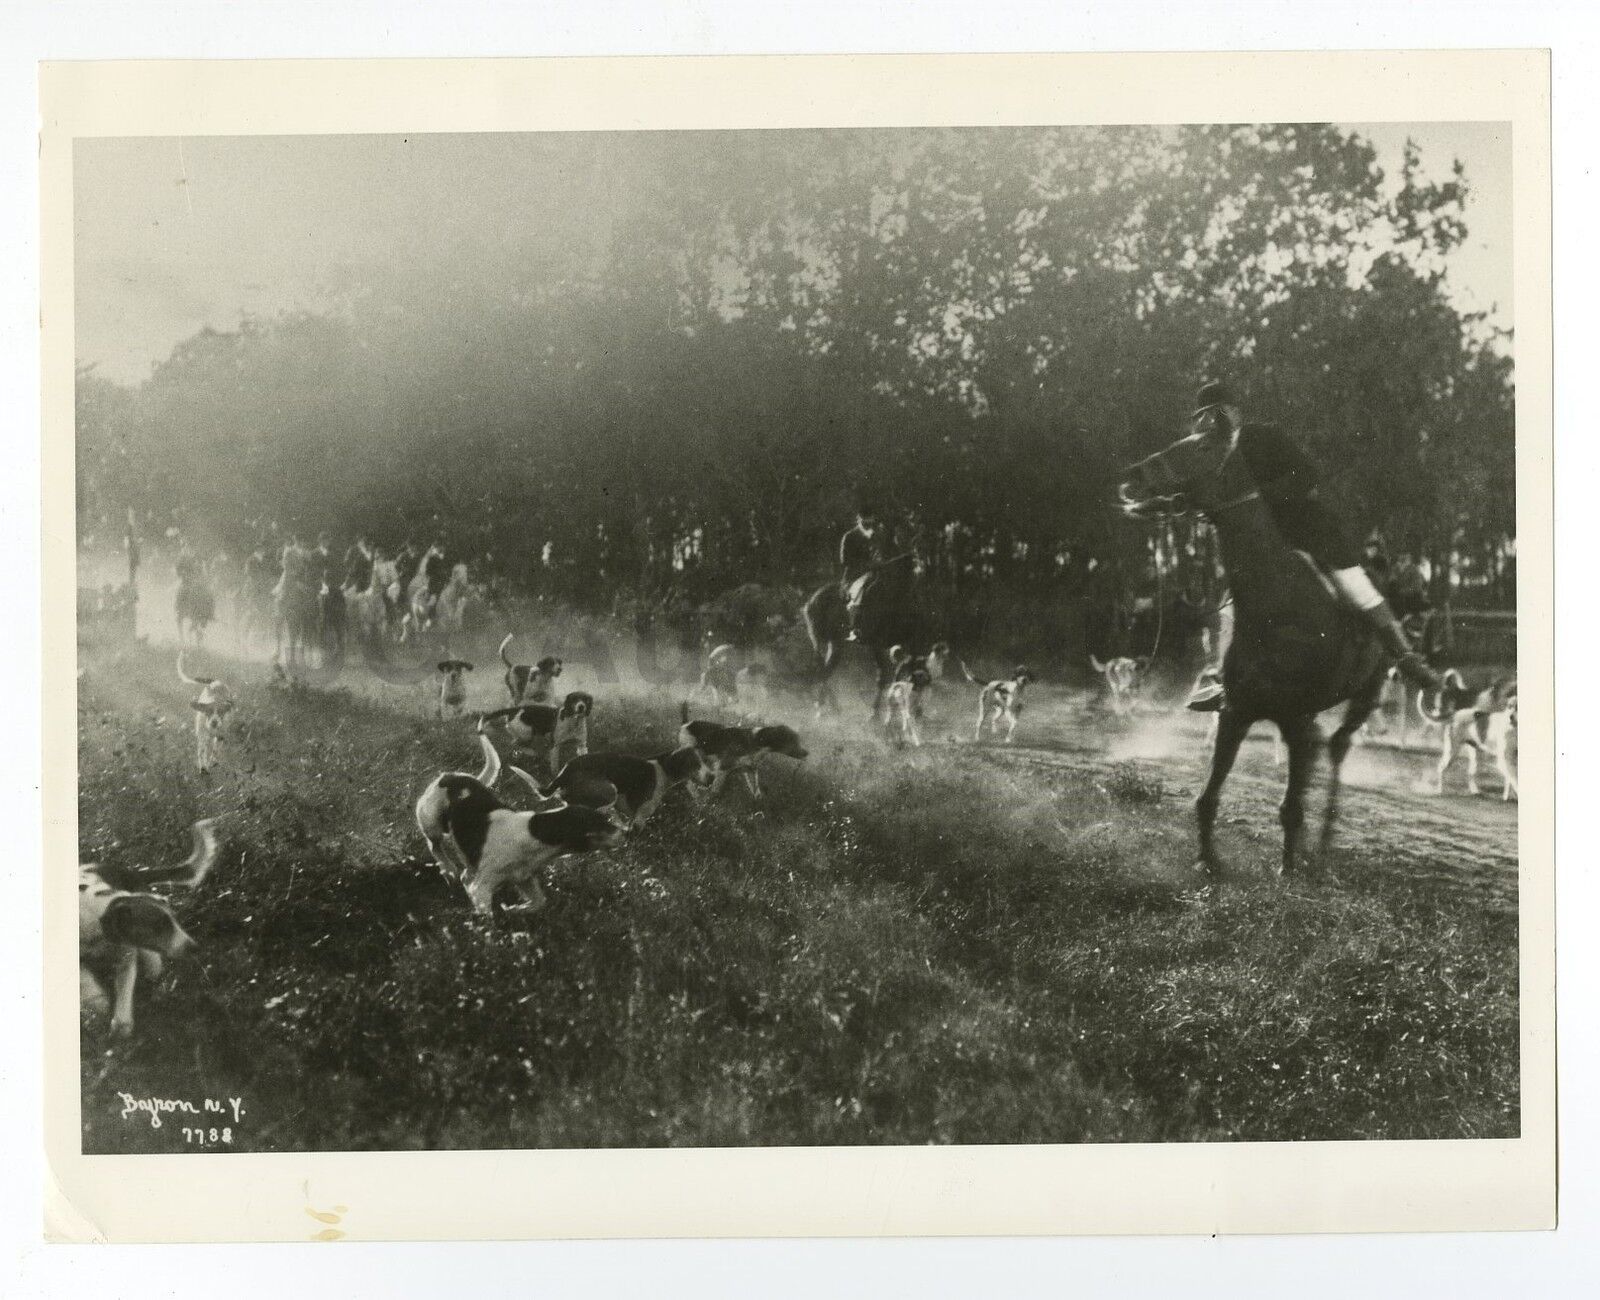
x: 805, y: 638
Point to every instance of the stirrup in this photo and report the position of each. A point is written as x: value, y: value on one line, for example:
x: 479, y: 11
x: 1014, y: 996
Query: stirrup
x: 1207, y: 696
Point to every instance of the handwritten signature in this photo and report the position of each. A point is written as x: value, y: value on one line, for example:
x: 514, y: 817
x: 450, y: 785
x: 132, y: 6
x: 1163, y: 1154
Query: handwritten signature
x: 155, y: 1107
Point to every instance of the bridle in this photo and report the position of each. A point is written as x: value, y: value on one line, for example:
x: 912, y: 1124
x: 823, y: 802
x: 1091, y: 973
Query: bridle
x: 1177, y: 505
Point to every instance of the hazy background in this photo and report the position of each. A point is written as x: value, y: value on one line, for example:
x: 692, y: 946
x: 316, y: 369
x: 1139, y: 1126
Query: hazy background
x: 173, y: 235
x: 644, y: 370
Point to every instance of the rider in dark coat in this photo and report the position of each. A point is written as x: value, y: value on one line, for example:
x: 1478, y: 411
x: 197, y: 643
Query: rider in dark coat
x: 406, y: 564
x: 358, y: 564
x: 861, y: 550
x: 1287, y: 481
x: 435, y: 569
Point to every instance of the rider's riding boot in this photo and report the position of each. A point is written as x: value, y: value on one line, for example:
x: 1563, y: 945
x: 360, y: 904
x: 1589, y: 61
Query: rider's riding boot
x: 1393, y: 636
x: 1207, y: 696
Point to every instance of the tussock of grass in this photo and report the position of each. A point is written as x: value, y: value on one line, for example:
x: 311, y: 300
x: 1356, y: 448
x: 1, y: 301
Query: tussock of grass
x: 905, y: 948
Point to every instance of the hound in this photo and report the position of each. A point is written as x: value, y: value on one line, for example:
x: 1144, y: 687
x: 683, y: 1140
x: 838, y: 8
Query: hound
x: 720, y: 678
x: 905, y: 699
x: 641, y: 783
x: 123, y: 930
x: 563, y: 732
x: 211, y: 709
x: 734, y: 749
x: 530, y: 685
x: 1487, y: 724
x: 453, y: 686
x: 433, y: 807
x: 489, y: 845
x: 1001, y: 699
x: 1124, y: 677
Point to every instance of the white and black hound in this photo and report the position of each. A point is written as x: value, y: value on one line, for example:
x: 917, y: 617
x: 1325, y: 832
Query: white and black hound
x: 211, y: 708
x: 999, y: 699
x: 124, y: 930
x: 1472, y: 723
x: 485, y: 845
x: 905, y: 700
x: 635, y: 786
x: 1124, y: 677
x: 561, y: 732
x: 734, y: 749
x: 530, y: 684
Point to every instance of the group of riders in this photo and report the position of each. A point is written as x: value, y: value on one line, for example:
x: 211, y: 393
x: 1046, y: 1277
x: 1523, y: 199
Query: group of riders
x: 1288, y: 486
x: 309, y: 586
x: 278, y: 566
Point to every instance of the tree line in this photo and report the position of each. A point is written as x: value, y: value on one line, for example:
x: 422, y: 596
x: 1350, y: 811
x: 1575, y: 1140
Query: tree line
x: 687, y: 386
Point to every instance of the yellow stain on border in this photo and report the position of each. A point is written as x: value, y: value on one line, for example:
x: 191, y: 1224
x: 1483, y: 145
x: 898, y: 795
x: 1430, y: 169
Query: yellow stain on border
x: 325, y: 1216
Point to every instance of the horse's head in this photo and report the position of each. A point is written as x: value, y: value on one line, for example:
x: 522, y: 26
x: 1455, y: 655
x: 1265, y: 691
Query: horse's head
x: 1197, y: 473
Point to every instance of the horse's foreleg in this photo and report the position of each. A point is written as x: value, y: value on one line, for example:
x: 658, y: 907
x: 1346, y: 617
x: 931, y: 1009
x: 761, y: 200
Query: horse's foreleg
x: 1231, y: 731
x: 1300, y: 738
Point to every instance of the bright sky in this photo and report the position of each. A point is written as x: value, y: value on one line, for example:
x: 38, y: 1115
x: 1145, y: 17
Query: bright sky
x: 173, y: 235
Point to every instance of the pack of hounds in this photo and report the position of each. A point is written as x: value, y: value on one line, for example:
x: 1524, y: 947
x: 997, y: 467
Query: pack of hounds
x: 590, y: 802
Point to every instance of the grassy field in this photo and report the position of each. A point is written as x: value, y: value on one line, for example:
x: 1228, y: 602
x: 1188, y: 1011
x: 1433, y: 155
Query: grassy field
x: 950, y: 945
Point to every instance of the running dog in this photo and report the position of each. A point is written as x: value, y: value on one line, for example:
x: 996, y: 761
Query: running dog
x: 485, y: 845
x: 999, y: 700
x: 1124, y: 678
x: 124, y: 930
x: 211, y: 708
x: 734, y: 749
x: 641, y: 784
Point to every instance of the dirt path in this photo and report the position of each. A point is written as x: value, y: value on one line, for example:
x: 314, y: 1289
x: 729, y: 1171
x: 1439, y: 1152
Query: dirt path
x: 1390, y: 819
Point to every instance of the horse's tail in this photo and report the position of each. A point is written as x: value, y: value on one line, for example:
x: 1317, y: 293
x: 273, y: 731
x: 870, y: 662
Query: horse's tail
x: 504, y: 658
x: 967, y: 672
x: 824, y: 647
x: 1097, y: 665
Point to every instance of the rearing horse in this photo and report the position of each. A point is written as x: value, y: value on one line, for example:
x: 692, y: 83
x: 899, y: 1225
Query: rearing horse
x: 1296, y: 650
x: 888, y: 615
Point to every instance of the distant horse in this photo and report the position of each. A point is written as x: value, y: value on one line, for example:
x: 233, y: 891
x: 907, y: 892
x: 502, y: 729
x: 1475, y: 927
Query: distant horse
x: 332, y: 613
x: 195, y: 607
x: 252, y: 605
x: 451, y: 607
x: 367, y: 613
x: 298, y: 609
x: 421, y: 609
x: 1296, y: 650
x: 889, y: 615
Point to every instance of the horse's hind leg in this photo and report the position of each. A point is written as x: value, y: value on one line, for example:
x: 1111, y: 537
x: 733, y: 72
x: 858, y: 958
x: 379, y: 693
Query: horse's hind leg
x: 1355, y: 715
x: 1300, y: 738
x: 1231, y: 731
